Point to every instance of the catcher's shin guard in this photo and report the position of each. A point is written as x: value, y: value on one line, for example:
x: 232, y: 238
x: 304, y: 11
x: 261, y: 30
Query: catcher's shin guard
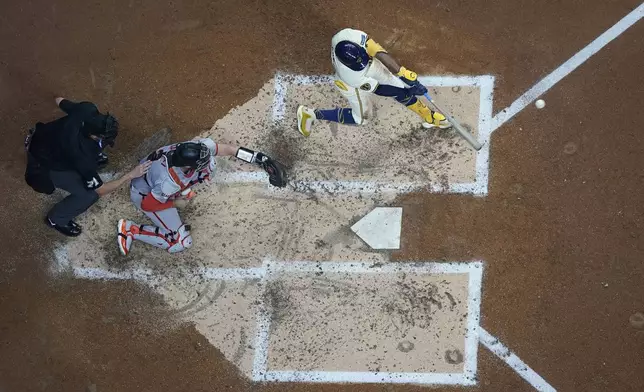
x: 431, y: 118
x: 171, y: 241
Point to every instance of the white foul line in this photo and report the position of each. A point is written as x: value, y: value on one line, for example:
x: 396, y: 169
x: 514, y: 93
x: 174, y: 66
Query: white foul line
x: 494, y: 345
x: 564, y: 69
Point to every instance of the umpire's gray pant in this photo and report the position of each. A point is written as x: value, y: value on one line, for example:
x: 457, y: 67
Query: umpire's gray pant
x: 78, y: 200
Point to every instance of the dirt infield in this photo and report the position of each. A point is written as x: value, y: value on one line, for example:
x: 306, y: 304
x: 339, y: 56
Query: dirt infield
x: 560, y: 231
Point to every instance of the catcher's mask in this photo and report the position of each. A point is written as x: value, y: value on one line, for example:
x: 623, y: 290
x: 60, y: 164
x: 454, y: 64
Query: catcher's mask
x: 103, y: 126
x: 190, y: 154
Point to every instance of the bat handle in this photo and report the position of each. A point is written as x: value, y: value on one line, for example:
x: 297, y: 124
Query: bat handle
x: 428, y: 97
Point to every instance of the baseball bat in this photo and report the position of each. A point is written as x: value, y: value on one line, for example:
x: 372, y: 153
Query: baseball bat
x: 459, y: 128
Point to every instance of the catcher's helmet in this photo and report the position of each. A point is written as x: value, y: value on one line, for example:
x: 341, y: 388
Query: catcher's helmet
x: 352, y: 55
x: 103, y: 126
x: 190, y: 154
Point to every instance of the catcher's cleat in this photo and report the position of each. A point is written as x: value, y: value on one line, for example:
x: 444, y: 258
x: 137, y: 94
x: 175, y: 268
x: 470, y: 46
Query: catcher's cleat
x: 439, y: 121
x: 305, y: 120
x: 126, y: 230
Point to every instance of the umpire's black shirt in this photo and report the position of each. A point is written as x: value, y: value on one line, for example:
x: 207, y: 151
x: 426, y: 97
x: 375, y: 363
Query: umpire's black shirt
x: 62, y: 145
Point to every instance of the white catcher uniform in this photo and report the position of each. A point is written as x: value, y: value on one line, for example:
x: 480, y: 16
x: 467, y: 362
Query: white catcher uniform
x: 154, y: 193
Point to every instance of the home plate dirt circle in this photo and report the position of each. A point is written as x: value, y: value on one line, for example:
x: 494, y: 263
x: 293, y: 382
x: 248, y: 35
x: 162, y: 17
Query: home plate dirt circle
x: 305, y: 298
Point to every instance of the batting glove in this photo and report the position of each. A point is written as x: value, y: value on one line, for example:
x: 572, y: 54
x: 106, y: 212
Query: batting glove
x: 411, y: 79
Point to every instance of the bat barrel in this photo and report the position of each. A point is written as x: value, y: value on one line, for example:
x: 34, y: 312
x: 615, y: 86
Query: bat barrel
x: 465, y: 134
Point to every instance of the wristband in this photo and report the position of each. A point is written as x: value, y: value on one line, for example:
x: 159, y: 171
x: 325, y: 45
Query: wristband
x: 246, y: 155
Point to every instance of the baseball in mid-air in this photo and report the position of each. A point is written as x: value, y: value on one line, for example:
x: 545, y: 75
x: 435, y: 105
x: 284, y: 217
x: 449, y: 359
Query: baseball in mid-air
x: 540, y: 104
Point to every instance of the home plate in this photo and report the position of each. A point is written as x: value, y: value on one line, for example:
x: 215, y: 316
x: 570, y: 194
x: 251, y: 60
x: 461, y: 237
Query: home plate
x: 380, y: 228
x: 361, y: 322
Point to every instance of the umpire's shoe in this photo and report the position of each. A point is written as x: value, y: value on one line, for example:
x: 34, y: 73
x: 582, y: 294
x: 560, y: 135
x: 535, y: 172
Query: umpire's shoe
x: 71, y: 229
x: 102, y: 160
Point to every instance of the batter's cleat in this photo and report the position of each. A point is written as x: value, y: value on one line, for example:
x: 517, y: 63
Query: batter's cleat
x: 439, y: 121
x: 126, y: 230
x: 71, y: 229
x: 305, y: 120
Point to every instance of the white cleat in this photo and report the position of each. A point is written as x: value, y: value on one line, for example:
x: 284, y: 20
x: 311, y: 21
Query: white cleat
x: 305, y: 120
x: 439, y: 122
x: 443, y: 124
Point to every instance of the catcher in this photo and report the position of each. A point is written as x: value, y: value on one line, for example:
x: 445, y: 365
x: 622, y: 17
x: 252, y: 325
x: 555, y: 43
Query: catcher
x: 174, y: 171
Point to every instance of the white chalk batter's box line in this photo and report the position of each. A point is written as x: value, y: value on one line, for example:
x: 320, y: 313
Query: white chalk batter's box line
x: 271, y: 268
x: 260, y: 373
x: 474, y: 270
x: 485, y: 83
x: 149, y: 275
x: 354, y: 187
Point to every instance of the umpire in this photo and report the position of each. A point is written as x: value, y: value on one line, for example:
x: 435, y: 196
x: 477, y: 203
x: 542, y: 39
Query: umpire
x: 67, y: 153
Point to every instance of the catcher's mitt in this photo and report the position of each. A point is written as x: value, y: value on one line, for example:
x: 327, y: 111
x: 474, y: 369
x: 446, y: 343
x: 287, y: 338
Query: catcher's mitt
x: 277, y: 175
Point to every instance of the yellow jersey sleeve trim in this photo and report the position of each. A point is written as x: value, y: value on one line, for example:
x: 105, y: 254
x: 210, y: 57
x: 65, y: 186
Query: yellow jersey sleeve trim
x: 341, y: 85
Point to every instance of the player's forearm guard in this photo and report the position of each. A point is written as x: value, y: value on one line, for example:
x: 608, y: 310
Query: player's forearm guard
x: 374, y: 48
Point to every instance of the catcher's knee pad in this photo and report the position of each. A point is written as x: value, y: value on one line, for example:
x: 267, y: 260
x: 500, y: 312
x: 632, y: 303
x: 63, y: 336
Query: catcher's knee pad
x: 182, y: 240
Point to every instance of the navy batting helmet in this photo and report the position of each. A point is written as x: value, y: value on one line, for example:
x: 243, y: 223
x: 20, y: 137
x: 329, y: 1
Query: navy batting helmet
x: 352, y: 55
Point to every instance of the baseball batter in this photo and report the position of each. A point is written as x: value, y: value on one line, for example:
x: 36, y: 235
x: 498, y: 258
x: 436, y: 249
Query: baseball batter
x: 362, y: 68
x: 175, y: 170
